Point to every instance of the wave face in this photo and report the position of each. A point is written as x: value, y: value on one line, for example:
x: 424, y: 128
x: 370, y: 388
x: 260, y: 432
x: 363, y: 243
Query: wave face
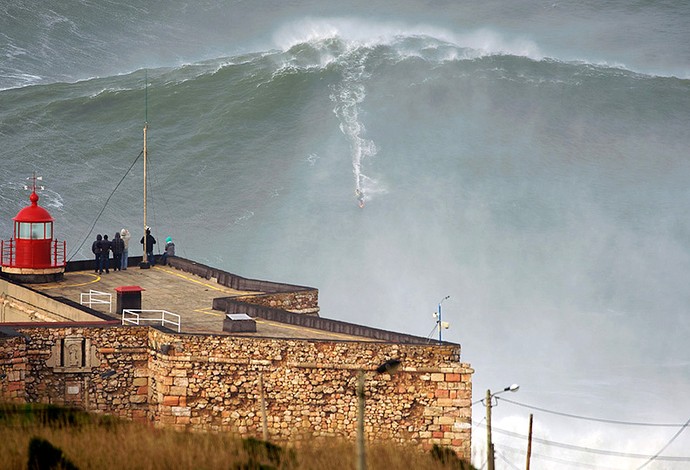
x: 541, y: 184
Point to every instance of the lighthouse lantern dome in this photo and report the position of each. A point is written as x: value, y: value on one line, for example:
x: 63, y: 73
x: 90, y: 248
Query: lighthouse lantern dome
x: 32, y: 255
x: 33, y: 222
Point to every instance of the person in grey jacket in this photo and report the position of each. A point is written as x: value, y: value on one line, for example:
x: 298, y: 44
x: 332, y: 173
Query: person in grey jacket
x: 124, y: 234
x: 169, y: 250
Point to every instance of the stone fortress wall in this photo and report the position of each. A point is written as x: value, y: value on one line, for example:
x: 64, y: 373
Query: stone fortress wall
x: 212, y: 382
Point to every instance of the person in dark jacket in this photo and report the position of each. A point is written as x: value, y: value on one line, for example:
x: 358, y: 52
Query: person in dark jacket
x: 150, y: 241
x: 105, y: 243
x: 97, y: 250
x: 117, y: 246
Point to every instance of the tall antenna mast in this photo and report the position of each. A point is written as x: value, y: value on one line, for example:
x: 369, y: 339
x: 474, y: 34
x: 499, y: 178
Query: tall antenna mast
x: 144, y: 261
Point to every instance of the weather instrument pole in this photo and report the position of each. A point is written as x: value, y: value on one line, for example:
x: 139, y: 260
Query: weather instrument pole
x: 440, y: 322
x: 144, y: 260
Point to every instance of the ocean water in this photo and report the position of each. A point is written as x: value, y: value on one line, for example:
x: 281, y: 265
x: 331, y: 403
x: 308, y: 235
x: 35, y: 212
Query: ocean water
x: 528, y: 158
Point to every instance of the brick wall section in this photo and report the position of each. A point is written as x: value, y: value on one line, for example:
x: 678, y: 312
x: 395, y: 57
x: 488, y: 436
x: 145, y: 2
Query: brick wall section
x: 211, y: 382
x: 13, y: 368
x: 117, y: 384
x: 297, y: 302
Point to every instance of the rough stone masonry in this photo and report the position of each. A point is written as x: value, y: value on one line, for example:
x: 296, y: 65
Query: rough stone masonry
x: 212, y: 382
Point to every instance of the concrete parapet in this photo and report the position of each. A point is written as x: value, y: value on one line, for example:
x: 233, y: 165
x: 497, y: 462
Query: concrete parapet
x: 21, y: 304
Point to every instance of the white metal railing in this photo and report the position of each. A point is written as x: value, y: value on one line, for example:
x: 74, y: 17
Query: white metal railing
x: 96, y: 297
x: 134, y: 317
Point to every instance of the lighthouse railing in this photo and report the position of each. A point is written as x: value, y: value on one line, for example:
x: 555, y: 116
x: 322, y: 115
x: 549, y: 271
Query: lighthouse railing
x: 7, y: 250
x: 59, y: 249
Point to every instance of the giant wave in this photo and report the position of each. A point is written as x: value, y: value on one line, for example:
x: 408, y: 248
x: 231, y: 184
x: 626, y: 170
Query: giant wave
x: 548, y: 196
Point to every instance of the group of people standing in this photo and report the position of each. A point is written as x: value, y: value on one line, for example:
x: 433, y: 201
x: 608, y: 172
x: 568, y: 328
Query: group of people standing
x: 119, y: 246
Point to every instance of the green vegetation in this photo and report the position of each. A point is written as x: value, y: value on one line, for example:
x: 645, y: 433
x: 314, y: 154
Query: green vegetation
x: 43, y: 437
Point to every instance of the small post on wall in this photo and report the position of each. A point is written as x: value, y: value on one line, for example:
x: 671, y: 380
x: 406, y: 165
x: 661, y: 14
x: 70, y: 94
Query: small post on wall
x: 264, y: 420
x: 361, y: 458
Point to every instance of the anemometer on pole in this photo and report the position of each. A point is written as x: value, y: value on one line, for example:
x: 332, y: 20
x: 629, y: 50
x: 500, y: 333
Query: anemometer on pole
x: 34, y: 178
x: 440, y: 324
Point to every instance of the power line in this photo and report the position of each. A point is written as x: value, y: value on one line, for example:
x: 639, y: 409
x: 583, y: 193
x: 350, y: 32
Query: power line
x: 656, y: 456
x: 557, y: 459
x: 428, y: 337
x: 590, y: 449
x: 500, y: 454
x: 588, y: 418
x: 104, y: 206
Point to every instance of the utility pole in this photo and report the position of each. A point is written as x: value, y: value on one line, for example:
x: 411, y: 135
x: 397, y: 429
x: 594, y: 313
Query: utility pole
x: 529, y: 441
x: 361, y: 458
x: 489, y: 444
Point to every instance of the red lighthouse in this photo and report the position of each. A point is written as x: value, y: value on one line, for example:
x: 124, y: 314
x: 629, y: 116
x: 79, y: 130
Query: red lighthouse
x: 32, y: 255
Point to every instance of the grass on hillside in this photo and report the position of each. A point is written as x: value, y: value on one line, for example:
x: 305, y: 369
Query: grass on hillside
x: 85, y: 441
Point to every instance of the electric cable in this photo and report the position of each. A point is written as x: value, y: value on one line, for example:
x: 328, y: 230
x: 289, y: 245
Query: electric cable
x: 500, y: 454
x: 557, y: 459
x: 428, y: 337
x: 656, y: 456
x: 587, y: 418
x: 153, y: 185
x: 590, y: 449
x: 104, y: 206
x: 478, y: 423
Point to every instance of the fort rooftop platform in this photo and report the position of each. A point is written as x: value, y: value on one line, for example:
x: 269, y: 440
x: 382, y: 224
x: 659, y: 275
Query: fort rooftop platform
x: 202, y: 296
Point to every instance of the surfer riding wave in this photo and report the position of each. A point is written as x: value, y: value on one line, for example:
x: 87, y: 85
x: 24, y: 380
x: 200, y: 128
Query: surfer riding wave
x: 360, y: 197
